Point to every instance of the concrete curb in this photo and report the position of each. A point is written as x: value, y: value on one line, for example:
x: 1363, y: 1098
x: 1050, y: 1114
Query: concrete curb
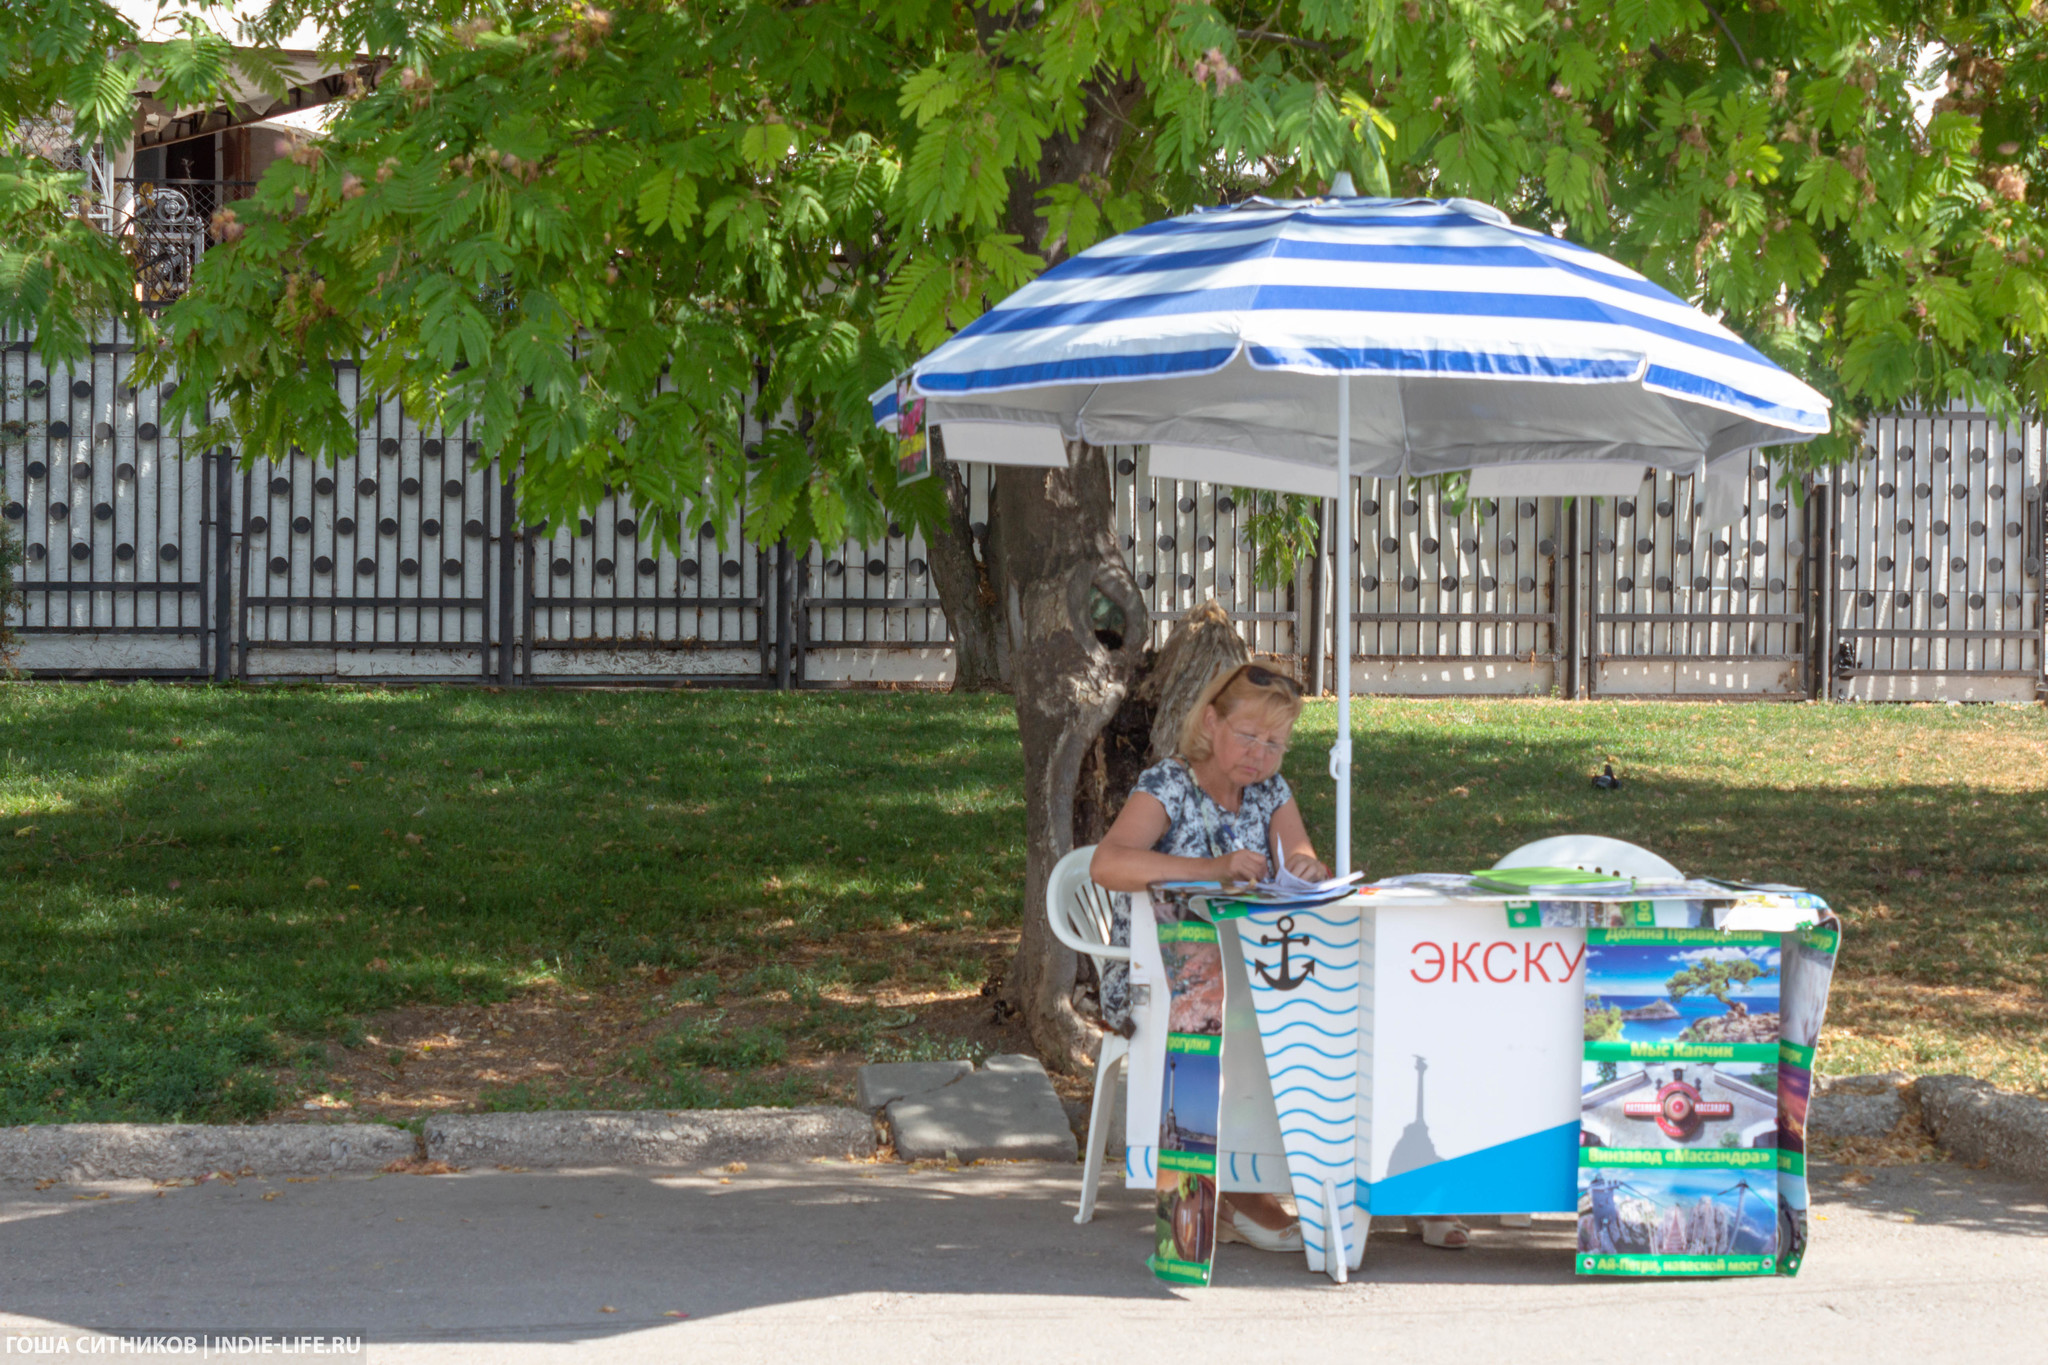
x: 149, y: 1151
x: 1857, y: 1106
x: 1007, y: 1111
x: 689, y: 1138
x: 1974, y: 1120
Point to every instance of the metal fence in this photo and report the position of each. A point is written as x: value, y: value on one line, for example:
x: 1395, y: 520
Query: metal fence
x: 121, y: 531
x: 1937, y: 543
x: 1916, y: 573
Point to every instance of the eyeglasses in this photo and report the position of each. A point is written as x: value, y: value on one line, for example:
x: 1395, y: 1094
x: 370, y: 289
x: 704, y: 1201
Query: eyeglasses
x: 1265, y: 677
x: 1257, y: 745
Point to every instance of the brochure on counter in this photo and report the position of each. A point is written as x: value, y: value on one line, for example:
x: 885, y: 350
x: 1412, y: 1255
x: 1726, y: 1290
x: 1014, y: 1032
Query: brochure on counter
x: 1230, y: 900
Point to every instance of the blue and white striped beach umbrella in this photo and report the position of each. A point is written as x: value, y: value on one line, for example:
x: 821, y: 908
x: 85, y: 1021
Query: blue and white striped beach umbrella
x: 1290, y: 344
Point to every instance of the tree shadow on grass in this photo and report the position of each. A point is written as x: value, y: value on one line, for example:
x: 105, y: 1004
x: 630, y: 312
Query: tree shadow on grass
x: 582, y: 835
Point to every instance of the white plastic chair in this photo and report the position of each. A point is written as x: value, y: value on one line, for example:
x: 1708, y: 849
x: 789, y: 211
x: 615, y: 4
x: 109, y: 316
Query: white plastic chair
x: 1079, y: 912
x: 1593, y: 853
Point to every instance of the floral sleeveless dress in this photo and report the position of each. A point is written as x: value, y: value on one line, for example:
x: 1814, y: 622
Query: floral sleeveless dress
x: 1199, y: 828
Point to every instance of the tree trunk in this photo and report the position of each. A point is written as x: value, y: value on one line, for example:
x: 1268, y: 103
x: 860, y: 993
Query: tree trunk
x: 1075, y: 620
x: 1066, y: 625
x: 981, y: 655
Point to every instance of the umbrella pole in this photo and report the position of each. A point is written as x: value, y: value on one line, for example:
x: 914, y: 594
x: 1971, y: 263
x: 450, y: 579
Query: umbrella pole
x: 1340, y: 752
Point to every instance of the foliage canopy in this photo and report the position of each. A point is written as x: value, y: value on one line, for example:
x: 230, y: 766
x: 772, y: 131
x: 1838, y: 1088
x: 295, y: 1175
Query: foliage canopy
x: 605, y: 231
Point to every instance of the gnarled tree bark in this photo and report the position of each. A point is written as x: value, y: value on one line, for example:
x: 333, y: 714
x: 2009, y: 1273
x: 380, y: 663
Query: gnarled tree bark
x: 1075, y: 620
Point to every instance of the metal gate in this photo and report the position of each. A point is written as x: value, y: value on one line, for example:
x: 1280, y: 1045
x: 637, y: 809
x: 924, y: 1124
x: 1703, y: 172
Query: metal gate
x: 1937, y: 541
x: 1187, y: 542
x: 1454, y: 598
x: 1679, y: 607
x: 387, y: 556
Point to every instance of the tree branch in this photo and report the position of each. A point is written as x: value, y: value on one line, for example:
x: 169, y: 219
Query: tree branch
x: 1729, y: 33
x: 1260, y: 35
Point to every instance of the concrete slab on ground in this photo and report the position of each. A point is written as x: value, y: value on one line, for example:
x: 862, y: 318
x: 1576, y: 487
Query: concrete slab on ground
x: 839, y: 1261
x: 1857, y: 1106
x: 1007, y: 1111
x: 877, y: 1083
x: 1976, y: 1121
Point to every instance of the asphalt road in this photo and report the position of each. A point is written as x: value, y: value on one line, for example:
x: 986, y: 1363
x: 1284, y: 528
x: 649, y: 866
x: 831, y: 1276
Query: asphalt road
x: 829, y: 1262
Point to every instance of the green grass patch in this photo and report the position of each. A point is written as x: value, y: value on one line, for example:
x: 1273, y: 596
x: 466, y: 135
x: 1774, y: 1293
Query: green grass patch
x: 197, y: 883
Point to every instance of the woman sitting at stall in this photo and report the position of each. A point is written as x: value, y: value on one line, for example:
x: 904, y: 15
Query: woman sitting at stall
x: 1212, y: 812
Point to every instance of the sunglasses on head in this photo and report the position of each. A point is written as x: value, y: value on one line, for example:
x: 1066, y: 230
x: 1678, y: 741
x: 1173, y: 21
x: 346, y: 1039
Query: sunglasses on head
x: 1266, y: 677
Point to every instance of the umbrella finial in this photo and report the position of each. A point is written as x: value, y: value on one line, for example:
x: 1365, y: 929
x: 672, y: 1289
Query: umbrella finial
x: 1341, y: 186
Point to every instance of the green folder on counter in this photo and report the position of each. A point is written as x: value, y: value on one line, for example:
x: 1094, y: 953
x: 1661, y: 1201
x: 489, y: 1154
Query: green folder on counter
x: 1527, y: 881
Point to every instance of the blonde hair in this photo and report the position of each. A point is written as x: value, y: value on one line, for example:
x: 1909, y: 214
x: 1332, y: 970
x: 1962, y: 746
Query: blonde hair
x: 1275, y: 702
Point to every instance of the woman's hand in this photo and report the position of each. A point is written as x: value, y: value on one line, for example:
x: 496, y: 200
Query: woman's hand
x: 1305, y: 866
x: 1241, y: 866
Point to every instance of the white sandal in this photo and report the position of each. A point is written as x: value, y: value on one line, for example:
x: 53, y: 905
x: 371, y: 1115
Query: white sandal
x: 1444, y: 1231
x: 1235, y: 1227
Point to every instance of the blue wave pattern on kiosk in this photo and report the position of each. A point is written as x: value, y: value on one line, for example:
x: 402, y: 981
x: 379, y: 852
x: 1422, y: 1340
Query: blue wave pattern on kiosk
x: 1307, y: 1006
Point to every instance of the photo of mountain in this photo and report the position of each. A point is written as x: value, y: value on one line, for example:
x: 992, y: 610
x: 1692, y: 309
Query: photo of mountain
x: 1659, y: 1211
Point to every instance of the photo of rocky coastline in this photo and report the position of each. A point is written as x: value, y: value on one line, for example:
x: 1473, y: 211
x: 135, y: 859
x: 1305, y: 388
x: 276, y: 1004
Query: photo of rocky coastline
x: 1194, y: 972
x: 1679, y: 993
x: 1795, y: 1090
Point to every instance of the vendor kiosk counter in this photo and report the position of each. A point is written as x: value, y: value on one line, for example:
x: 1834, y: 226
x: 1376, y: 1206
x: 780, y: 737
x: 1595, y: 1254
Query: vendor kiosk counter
x: 1461, y: 1048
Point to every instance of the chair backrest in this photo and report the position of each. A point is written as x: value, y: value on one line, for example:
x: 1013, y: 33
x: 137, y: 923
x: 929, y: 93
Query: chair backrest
x: 1079, y: 910
x: 1592, y: 853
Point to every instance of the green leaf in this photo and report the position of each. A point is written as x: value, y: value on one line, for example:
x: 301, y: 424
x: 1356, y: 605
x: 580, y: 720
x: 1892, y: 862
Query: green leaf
x: 668, y: 199
x: 1835, y: 103
x: 764, y: 144
x: 1827, y: 191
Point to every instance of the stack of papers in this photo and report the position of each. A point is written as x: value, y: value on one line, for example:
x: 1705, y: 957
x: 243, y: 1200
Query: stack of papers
x: 1284, y: 885
x: 1449, y: 883
x: 1689, y: 888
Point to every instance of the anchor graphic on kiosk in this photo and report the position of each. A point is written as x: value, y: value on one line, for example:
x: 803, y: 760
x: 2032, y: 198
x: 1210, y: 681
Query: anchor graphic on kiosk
x: 1284, y: 981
